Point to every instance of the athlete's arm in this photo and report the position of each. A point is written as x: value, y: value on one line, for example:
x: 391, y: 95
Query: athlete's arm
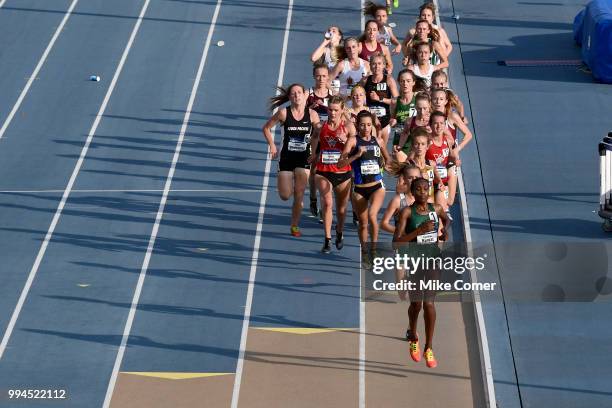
x: 393, y: 88
x: 383, y: 150
x: 443, y: 58
x: 279, y: 116
x: 395, y: 41
x: 346, y: 157
x: 320, y: 51
x: 314, y: 143
x: 445, y: 221
x: 387, y: 55
x: 444, y: 40
x: 385, y: 223
x: 393, y: 117
x: 337, y: 69
x: 467, y: 135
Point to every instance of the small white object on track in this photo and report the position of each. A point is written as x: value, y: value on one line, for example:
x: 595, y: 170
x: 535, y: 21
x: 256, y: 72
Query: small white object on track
x: 220, y: 43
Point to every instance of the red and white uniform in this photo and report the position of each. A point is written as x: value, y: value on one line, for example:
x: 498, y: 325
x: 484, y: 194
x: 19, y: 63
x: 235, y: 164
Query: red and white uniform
x: 439, y: 154
x: 330, y: 150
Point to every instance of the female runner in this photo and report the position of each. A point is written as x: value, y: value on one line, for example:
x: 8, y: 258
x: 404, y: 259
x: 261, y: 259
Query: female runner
x: 332, y: 178
x: 444, y: 100
x: 419, y: 224
x: 367, y: 154
x: 423, y: 111
x: 423, y: 68
x: 352, y: 69
x: 439, y: 79
x: 369, y: 45
x: 428, y: 12
x: 380, y: 90
x: 329, y: 51
x: 425, y: 33
x: 318, y: 99
x: 385, y: 33
x: 299, y: 123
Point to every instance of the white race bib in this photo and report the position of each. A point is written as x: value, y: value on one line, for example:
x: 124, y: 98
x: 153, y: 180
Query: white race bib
x: 369, y: 167
x: 429, y: 238
x: 379, y: 111
x: 330, y: 156
x: 295, y: 145
x: 442, y: 171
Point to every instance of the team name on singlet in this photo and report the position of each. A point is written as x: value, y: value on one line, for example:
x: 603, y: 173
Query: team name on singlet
x: 298, y: 128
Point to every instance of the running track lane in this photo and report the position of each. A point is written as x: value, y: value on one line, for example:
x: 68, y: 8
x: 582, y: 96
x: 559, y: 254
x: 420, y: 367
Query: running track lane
x: 102, y: 236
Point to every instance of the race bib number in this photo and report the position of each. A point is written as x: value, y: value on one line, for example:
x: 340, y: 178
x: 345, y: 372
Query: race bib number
x: 433, y: 216
x: 381, y: 86
x: 296, y: 145
x: 430, y: 175
x: 429, y: 238
x: 442, y: 171
x: 370, y: 167
x: 379, y: 111
x: 446, y: 194
x: 330, y: 156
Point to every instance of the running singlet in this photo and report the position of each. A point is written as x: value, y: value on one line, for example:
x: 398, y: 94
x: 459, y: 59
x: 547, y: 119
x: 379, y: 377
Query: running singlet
x: 426, y: 76
x: 452, y: 129
x: 402, y: 113
x: 296, y: 137
x: 428, y: 174
x: 439, y: 154
x: 380, y: 109
x: 330, y: 150
x: 417, y: 219
x: 365, y: 53
x: 349, y: 78
x: 384, y: 38
x: 321, y: 109
x: 367, y: 168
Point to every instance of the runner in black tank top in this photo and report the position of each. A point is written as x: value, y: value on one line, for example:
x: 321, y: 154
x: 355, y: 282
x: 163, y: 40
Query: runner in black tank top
x: 380, y: 91
x: 293, y: 166
x: 296, y: 142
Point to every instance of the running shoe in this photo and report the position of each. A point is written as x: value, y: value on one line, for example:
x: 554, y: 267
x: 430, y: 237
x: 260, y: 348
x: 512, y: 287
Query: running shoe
x: 415, y: 352
x: 339, y: 240
x: 295, y: 231
x: 355, y: 218
x: 320, y: 217
x: 430, y: 359
x: 314, y: 211
x: 448, y: 214
x: 396, y: 3
x: 326, y: 246
x: 366, y: 261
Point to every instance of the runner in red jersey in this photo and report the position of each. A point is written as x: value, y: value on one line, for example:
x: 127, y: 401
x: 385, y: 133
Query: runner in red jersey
x: 441, y: 151
x: 332, y: 178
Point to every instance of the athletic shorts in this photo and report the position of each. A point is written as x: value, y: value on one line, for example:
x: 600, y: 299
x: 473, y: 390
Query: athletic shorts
x: 366, y: 192
x: 292, y: 162
x: 335, y: 178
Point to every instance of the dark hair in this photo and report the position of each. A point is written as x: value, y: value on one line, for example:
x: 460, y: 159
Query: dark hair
x: 419, y: 83
x: 418, y: 132
x: 363, y: 35
x: 397, y: 169
x: 414, y: 183
x: 365, y: 114
x: 433, y: 33
x: 435, y: 114
x: 282, y: 96
x: 319, y: 65
x: 370, y: 8
x: 428, y: 5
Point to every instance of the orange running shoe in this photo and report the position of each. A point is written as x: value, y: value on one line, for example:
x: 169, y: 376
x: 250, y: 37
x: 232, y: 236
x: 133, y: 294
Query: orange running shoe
x: 295, y: 231
x: 430, y: 359
x: 415, y: 353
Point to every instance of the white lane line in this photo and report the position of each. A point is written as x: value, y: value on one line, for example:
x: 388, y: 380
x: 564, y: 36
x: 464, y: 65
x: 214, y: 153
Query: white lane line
x: 34, y: 74
x: 2, y: 3
x: 483, y: 342
x: 362, y: 5
x: 216, y: 190
x: 75, y: 172
x: 160, y: 213
x: 362, y: 340
x: 262, y: 208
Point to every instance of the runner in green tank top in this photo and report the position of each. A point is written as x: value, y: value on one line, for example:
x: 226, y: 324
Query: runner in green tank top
x: 419, y: 224
x: 404, y: 106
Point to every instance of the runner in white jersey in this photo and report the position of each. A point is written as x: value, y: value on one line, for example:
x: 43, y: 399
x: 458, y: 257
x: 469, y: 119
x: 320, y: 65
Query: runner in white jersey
x: 352, y: 69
